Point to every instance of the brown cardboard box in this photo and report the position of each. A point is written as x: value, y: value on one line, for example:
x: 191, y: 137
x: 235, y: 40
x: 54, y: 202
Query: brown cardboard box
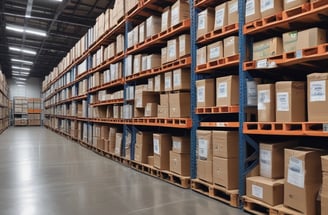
x: 233, y: 12
x: 231, y: 46
x: 303, y: 179
x: 324, y: 204
x: 159, y: 83
x: 166, y: 19
x: 215, y: 51
x: 164, y: 55
x: 289, y: 40
x: 153, y: 26
x: 310, y: 38
x: 153, y: 61
x: 205, y: 170
x: 290, y: 101
x: 164, y: 100
x: 204, y: 145
x: 112, y: 139
x: 270, y: 191
x: 225, y: 144
x: 266, y: 103
x: 118, y: 144
x: 221, y: 16
x: 181, y: 145
x: 119, y: 43
x: 288, y: 4
x: 253, y: 11
x: 145, y: 97
x: 225, y: 172
x: 137, y: 63
x: 205, y: 21
x: 143, y: 146
x: 179, y: 105
x: 181, y: 79
x: 317, y: 97
x: 184, y: 45
x: 324, y: 163
x: 205, y: 93
x: 151, y: 110
x: 104, y: 131
x: 172, y: 49
x: 227, y: 90
x: 151, y: 160
x: 179, y: 11
x: 162, y: 146
x: 271, y: 7
x: 151, y: 84
x: 272, y: 158
x: 163, y: 111
x: 142, y: 32
x: 136, y: 35
x: 168, y: 76
x: 202, y: 55
x: 180, y: 163
x: 267, y: 48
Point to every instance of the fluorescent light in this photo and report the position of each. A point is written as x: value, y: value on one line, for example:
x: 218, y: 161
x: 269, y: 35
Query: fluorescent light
x: 21, y: 68
x: 26, y: 51
x: 26, y: 30
x: 21, y: 79
x: 20, y: 82
x: 22, y: 61
x: 20, y: 85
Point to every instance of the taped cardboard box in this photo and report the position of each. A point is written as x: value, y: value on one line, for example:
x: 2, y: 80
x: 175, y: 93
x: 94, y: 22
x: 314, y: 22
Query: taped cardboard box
x: 202, y: 55
x: 166, y: 19
x: 215, y: 51
x: 266, y: 103
x: 310, y: 38
x: 184, y: 45
x: 151, y: 84
x: 181, y: 145
x: 159, y: 83
x: 267, y: 48
x: 205, y: 21
x: 118, y: 144
x: 225, y: 144
x: 205, y: 170
x: 233, y: 15
x: 205, y: 93
x: 168, y: 76
x: 180, y: 11
x: 231, y: 46
x: 179, y: 104
x: 288, y: 4
x: 162, y: 146
x: 227, y: 90
x: 172, y: 50
x: 289, y: 40
x: 163, y: 111
x: 225, y: 172
x: 153, y: 26
x: 151, y: 110
x: 145, y: 97
x: 221, y: 16
x: 180, y: 163
x: 204, y: 145
x: 253, y: 10
x: 142, y: 32
x: 181, y: 79
x: 143, y: 146
x: 164, y: 55
x: 271, y: 7
x: 137, y: 63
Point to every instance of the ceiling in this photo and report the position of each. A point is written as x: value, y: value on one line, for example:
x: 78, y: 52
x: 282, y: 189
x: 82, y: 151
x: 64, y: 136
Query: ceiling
x: 63, y: 22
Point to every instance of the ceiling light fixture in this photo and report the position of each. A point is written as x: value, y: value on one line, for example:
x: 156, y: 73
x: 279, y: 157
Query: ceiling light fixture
x: 26, y: 51
x: 21, y: 68
x: 22, y: 61
x: 20, y: 85
x: 26, y: 30
x: 19, y: 78
x: 20, y: 82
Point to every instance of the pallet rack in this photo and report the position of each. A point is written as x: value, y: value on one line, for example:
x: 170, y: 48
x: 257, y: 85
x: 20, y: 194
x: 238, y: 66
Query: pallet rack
x: 4, y: 104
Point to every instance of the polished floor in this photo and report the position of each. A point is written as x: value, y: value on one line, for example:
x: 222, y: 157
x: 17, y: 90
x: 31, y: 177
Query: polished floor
x: 45, y: 174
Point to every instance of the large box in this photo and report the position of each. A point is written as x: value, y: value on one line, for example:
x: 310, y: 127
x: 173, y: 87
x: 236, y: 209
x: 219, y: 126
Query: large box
x: 179, y: 11
x: 159, y: 81
x: 225, y: 144
x: 233, y: 15
x: 202, y: 55
x: 143, y: 146
x: 162, y: 146
x: 163, y: 111
x: 166, y: 19
x: 221, y: 16
x: 290, y: 101
x: 266, y: 103
x: 204, y: 145
x: 179, y: 104
x: 272, y: 158
x: 168, y: 82
x: 184, y: 45
x: 118, y: 144
x: 270, y: 191
x: 151, y: 110
x: 303, y: 179
x: 231, y: 46
x: 310, y: 38
x: 180, y: 163
x: 164, y: 100
x: 288, y: 4
x: 317, y: 97
x: 205, y: 93
x: 227, y: 90
x: 181, y: 79
x: 145, y: 97
x: 205, y: 170
x: 267, y: 48
x: 289, y: 40
x: 172, y: 50
x: 225, y: 172
x: 271, y: 7
x: 253, y: 11
x: 215, y: 51
x: 181, y: 145
x: 205, y: 22
x: 153, y: 26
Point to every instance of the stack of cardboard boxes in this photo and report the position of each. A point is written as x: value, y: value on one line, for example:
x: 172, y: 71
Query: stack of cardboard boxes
x: 180, y: 156
x: 143, y: 151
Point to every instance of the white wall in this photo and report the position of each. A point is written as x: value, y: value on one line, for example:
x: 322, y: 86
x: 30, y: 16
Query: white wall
x: 32, y: 89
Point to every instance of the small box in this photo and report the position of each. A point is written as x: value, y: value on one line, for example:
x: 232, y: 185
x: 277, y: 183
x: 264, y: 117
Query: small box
x: 202, y: 55
x: 204, y: 145
x: 181, y: 79
x: 270, y: 191
x: 231, y: 46
x: 288, y: 4
x: 162, y: 146
x: 168, y: 81
x: 225, y: 172
x: 289, y: 41
x: 172, y: 49
x: 151, y: 110
x: 179, y: 105
x: 290, y: 101
x: 317, y: 92
x: 253, y: 10
x: 142, y: 32
x: 184, y: 45
x: 205, y: 170
x: 205, y: 93
x: 164, y: 55
x: 159, y: 83
x: 180, y: 11
x: 143, y: 146
x: 205, y: 21
x: 266, y: 103
x: 267, y: 48
x: 180, y: 163
x: 215, y: 51
x: 221, y: 16
x: 227, y: 91
x: 153, y: 26
x: 225, y: 144
x: 310, y: 38
x: 181, y: 145
x: 270, y: 7
x: 166, y: 19
x: 233, y: 15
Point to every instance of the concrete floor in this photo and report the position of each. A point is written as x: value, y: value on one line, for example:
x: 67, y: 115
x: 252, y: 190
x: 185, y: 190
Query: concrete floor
x: 44, y: 173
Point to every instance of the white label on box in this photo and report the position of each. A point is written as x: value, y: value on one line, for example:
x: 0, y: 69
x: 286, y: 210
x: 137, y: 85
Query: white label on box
x: 201, y: 21
x: 156, y: 146
x: 168, y: 82
x: 175, y: 16
x: 251, y: 93
x: 233, y: 7
x: 262, y: 63
x: 289, y: 1
x: 295, y: 175
x: 214, y: 53
x: 262, y: 99
x: 250, y: 7
x: 202, y: 148
x: 177, y: 145
x: 219, y: 16
x: 282, y: 101
x: 317, y: 91
x: 201, y: 94
x: 171, y: 50
x: 149, y: 62
x: 265, y: 163
x: 222, y: 90
x: 267, y: 5
x: 176, y: 80
x: 257, y: 191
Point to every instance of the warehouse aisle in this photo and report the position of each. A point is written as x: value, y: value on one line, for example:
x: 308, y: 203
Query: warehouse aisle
x: 44, y: 173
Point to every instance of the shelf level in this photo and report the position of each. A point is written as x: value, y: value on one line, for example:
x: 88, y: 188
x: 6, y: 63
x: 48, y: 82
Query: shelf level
x: 218, y: 34
x: 220, y: 124
x: 108, y: 102
x: 232, y: 61
x: 217, y: 110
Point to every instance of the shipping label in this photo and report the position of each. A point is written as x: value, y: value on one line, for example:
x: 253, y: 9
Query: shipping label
x: 267, y: 5
x: 214, y: 53
x: 201, y: 94
x: 257, y: 191
x: 233, y: 8
x: 219, y: 18
x: 318, y: 91
x: 202, y: 149
x: 295, y: 175
x: 222, y: 90
x: 201, y: 21
x: 262, y: 99
x: 156, y: 146
x: 175, y: 16
x: 176, y: 80
x: 282, y: 101
x: 250, y: 7
x: 171, y: 50
x: 167, y: 82
x: 265, y: 163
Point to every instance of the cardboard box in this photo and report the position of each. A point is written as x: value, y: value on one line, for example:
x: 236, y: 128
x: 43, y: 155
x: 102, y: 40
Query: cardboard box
x: 289, y: 40
x: 205, y: 21
x: 215, y: 51
x: 164, y: 55
x: 233, y: 15
x: 181, y: 145
x: 205, y: 170
x: 151, y: 160
x: 225, y: 172
x: 184, y: 45
x: 151, y: 84
x: 227, y: 90
x: 270, y: 7
x: 180, y: 11
x: 303, y: 179
x: 288, y: 4
x: 153, y: 26
x: 225, y: 144
x: 166, y: 19
x: 151, y: 110
x: 272, y: 158
x: 145, y: 97
x: 104, y: 131
x: 137, y: 63
x: 267, y: 48
x: 205, y: 93
x: 179, y: 105
x: 270, y: 191
x: 168, y: 76
x: 324, y: 163
x: 153, y: 61
x: 142, y: 32
x: 202, y: 55
x: 136, y: 35
x: 143, y: 146
x: 172, y: 50
x: 290, y: 101
x: 118, y: 144
x: 204, y: 145
x: 164, y: 100
x: 180, y: 163
x: 221, y: 16
x: 231, y: 46
x: 163, y: 111
x: 266, y: 103
x: 253, y: 11
x: 310, y: 38
x: 251, y: 87
x: 159, y: 83
x: 317, y: 97
x: 162, y: 146
x: 181, y: 79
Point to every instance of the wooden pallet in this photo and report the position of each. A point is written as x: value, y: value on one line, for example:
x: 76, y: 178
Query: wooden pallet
x: 176, y: 179
x: 257, y: 207
x: 283, y: 210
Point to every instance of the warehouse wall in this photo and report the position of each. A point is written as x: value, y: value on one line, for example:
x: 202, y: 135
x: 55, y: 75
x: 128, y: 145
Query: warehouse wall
x: 31, y: 90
